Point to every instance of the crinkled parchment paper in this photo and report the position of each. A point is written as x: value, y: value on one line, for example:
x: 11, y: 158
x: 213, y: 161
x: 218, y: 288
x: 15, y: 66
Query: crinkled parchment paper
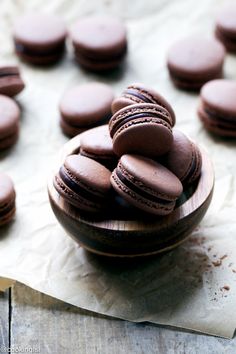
x: 191, y: 287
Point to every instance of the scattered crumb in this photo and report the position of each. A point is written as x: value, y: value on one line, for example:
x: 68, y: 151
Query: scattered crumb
x: 230, y: 264
x: 214, y: 255
x: 234, y: 270
x: 217, y: 263
x: 225, y: 287
x: 224, y: 256
x: 209, y: 249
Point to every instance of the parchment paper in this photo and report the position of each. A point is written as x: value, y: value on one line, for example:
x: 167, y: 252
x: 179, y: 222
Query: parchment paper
x: 192, y: 287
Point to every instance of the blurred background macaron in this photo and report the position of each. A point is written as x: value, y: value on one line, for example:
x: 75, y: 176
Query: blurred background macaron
x: 217, y: 107
x: 11, y: 83
x: 85, y: 106
x: 194, y: 60
x: 39, y: 38
x: 7, y: 199
x: 225, y: 29
x: 9, y: 122
x: 100, y: 43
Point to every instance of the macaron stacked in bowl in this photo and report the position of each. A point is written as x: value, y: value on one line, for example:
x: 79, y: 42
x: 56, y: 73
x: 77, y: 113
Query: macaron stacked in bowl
x: 138, y: 157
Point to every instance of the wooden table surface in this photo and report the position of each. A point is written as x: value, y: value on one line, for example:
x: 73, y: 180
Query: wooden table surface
x: 33, y: 321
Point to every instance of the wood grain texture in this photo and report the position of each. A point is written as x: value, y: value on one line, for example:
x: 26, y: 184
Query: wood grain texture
x: 134, y: 235
x: 4, y: 319
x: 56, y: 327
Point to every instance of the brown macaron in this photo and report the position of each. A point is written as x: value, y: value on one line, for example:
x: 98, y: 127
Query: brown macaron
x: 7, y: 199
x: 97, y: 145
x: 144, y: 129
x: 195, y: 60
x: 84, y: 183
x: 139, y: 93
x: 184, y: 158
x: 9, y: 122
x: 39, y: 38
x: 85, y: 106
x: 146, y: 184
x: 100, y: 43
x: 11, y: 82
x: 217, y: 108
x: 225, y: 29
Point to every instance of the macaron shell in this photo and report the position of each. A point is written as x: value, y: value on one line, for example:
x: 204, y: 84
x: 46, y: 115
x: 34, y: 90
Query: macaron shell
x: 87, y: 171
x: 208, y: 57
x: 139, y: 202
x: 229, y: 43
x: 179, y: 158
x: 215, y: 126
x: 86, y: 104
x: 11, y: 82
x: 225, y: 20
x: 7, y: 191
x: 97, y: 142
x: 9, y: 117
x: 133, y: 138
x: 219, y: 97
x: 103, y: 35
x: 36, y: 30
x: 96, y: 65
x: 152, y: 176
x: 70, y: 130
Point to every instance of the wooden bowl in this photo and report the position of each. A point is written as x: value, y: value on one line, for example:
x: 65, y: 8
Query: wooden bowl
x: 133, y: 233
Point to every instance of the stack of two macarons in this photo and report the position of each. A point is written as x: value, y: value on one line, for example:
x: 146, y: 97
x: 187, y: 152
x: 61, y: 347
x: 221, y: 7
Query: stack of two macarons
x: 152, y: 162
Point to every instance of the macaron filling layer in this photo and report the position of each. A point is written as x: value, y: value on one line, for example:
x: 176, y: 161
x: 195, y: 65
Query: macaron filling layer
x: 54, y: 50
x: 223, y: 119
x: 139, y: 191
x: 7, y: 74
x: 7, y: 208
x: 136, y: 93
x: 87, y: 126
x: 99, y: 57
x: 83, y: 191
x: 195, y: 80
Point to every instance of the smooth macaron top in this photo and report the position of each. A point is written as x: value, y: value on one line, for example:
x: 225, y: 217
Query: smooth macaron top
x: 97, y: 141
x: 88, y: 172
x: 7, y: 191
x: 226, y: 20
x: 139, y: 93
x: 196, y: 56
x: 86, y: 104
x: 151, y: 176
x: 9, y: 116
x: 39, y: 30
x: 100, y: 34
x: 219, y: 96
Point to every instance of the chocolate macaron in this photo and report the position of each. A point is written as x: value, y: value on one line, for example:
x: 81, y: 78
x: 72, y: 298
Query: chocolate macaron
x: 9, y: 122
x: 225, y: 29
x: 195, y: 60
x: 39, y: 38
x: 7, y: 199
x: 11, y: 82
x: 144, y: 129
x: 97, y: 145
x: 184, y: 158
x: 85, y: 106
x: 84, y: 183
x: 138, y: 93
x: 217, y: 108
x: 100, y: 43
x: 146, y: 184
